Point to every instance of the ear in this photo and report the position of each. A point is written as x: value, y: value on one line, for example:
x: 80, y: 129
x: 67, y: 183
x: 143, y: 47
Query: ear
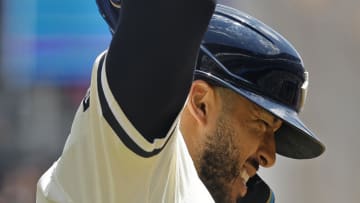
x: 201, y: 101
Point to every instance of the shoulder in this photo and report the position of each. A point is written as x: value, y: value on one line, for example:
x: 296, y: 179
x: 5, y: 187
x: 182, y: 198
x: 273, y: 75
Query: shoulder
x: 104, y: 104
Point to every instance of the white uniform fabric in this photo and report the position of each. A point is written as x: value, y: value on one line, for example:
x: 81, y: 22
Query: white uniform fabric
x: 98, y: 166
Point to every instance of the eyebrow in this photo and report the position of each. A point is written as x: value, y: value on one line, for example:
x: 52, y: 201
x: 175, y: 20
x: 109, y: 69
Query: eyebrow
x: 260, y: 111
x: 276, y: 119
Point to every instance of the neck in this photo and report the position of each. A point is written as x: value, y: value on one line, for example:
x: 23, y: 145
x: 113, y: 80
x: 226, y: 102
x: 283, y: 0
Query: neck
x: 192, y: 135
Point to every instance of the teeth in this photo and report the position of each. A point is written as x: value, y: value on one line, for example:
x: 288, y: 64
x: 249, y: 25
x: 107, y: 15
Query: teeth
x: 245, y: 176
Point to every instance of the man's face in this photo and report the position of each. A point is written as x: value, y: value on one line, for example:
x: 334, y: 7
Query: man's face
x: 242, y: 139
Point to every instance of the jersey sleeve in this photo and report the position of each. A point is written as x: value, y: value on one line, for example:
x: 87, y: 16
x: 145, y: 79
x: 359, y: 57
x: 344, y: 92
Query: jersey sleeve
x: 115, y: 116
x: 150, y: 62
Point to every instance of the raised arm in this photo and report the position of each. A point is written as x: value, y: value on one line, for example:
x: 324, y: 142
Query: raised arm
x: 151, y: 59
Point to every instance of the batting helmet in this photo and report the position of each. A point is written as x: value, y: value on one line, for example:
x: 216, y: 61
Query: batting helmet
x: 110, y: 11
x: 241, y: 53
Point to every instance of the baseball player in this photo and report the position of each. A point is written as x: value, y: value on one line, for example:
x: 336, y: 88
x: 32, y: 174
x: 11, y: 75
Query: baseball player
x: 153, y: 129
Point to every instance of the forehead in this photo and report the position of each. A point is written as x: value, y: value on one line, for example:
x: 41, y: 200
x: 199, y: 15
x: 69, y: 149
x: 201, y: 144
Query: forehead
x: 244, y: 105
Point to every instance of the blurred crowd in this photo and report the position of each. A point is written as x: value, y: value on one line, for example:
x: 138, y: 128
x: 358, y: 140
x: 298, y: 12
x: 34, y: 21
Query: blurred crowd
x: 45, y: 63
x: 33, y: 130
x: 18, y: 177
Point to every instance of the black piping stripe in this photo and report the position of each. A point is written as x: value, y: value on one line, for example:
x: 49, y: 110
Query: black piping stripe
x: 110, y: 118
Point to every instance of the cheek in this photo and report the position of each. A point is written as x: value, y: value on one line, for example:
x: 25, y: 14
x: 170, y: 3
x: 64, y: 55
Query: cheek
x: 248, y: 139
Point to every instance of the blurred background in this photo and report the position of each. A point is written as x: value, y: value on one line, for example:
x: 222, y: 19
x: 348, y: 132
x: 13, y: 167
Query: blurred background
x: 48, y: 47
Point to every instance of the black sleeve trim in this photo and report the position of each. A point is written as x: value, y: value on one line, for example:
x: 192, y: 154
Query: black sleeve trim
x: 115, y: 125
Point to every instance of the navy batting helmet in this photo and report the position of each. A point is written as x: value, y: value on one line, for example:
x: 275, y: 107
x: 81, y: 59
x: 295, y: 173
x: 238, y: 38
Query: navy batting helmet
x: 110, y: 11
x: 241, y: 53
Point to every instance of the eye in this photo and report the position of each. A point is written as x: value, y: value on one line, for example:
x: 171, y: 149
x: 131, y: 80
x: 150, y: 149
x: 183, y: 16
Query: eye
x: 264, y: 125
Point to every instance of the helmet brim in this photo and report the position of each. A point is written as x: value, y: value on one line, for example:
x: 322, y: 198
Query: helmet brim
x: 293, y: 139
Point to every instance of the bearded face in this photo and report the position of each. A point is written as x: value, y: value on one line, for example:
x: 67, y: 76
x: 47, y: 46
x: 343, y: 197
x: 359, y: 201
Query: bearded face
x: 219, y: 165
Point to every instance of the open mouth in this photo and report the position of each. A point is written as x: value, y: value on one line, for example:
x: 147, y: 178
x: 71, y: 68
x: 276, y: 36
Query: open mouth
x: 245, y: 176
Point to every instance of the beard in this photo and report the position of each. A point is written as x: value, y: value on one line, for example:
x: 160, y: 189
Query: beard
x: 219, y: 163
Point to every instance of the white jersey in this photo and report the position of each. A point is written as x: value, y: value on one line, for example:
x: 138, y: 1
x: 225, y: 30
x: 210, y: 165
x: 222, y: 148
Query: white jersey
x: 99, y: 166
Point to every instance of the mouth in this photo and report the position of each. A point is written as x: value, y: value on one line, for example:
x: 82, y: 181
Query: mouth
x: 245, y: 174
x: 244, y: 177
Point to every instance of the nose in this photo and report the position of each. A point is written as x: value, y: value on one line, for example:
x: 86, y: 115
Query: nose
x: 266, y: 153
